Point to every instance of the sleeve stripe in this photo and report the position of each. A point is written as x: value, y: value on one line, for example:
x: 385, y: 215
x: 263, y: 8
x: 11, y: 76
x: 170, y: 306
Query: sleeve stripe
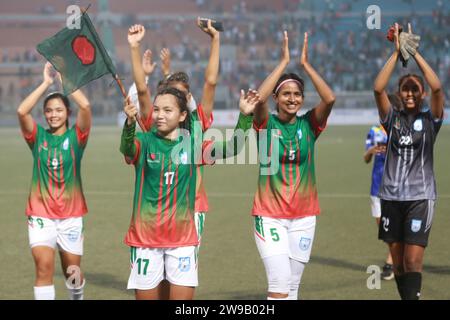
x: 30, y: 138
x: 136, y: 155
x: 261, y: 126
x: 206, y: 123
x: 82, y: 136
x: 317, y: 128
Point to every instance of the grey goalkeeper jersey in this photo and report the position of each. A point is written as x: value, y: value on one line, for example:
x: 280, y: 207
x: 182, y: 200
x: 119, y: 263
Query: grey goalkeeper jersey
x: 408, y: 169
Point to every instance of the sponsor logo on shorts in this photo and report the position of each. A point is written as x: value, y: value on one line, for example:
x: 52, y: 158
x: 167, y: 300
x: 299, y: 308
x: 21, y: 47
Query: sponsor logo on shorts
x: 73, y: 235
x: 184, y: 264
x: 415, y: 225
x: 305, y: 243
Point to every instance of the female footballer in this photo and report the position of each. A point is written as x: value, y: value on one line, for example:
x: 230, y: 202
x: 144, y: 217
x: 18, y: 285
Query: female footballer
x: 56, y: 204
x: 408, y: 188
x: 163, y: 234
x: 286, y: 204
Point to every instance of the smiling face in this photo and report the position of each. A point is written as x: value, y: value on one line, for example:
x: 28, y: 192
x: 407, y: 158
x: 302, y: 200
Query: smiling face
x: 411, y: 93
x: 56, y: 115
x: 289, y: 99
x: 167, y: 115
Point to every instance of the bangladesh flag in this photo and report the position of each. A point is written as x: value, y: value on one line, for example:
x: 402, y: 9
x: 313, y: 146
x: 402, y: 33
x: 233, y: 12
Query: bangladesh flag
x: 78, y: 55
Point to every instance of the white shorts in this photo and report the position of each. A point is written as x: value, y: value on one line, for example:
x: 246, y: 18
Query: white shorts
x: 375, y: 206
x: 293, y: 237
x: 67, y: 233
x: 149, y: 266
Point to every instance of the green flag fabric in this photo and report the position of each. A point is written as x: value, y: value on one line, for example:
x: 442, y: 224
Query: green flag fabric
x: 77, y: 54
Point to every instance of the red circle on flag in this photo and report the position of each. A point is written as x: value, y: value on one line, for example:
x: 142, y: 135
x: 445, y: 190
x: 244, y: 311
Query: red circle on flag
x: 84, y: 49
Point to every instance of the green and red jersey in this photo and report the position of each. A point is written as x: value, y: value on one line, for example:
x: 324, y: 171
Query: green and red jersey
x: 201, y: 199
x: 287, y: 189
x: 165, y: 186
x: 56, y: 191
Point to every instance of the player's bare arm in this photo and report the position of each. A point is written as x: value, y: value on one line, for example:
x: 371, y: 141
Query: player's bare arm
x: 382, y: 80
x: 266, y: 88
x: 84, y: 115
x: 212, y: 69
x: 437, y: 95
x: 135, y: 35
x: 24, y: 110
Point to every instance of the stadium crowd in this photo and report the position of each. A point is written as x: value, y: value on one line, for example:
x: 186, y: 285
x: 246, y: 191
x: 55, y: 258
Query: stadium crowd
x: 340, y: 50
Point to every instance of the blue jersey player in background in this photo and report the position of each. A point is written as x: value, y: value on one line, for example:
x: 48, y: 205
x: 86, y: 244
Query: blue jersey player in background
x: 376, y: 148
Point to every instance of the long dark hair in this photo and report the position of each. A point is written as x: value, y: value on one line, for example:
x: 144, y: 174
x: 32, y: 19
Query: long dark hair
x: 181, y: 77
x: 181, y: 103
x: 64, y: 99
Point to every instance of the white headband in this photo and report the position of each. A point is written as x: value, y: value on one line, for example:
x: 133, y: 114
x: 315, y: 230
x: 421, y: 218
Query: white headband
x: 286, y: 81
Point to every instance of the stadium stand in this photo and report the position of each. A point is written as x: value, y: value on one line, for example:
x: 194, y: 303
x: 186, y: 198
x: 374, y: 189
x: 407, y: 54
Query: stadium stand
x: 341, y: 46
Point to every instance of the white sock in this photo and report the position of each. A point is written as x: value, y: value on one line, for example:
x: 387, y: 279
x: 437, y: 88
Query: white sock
x: 297, y: 268
x: 44, y: 293
x: 76, y: 293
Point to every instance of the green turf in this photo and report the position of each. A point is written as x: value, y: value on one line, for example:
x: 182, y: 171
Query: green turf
x: 230, y: 268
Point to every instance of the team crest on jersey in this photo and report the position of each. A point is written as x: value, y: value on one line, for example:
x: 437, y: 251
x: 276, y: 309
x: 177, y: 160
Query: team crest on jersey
x: 415, y: 225
x: 66, y: 144
x: 304, y: 243
x: 276, y: 133
x: 418, y: 125
x: 299, y: 134
x: 43, y: 146
x: 153, y: 157
x: 184, y: 264
x: 397, y: 123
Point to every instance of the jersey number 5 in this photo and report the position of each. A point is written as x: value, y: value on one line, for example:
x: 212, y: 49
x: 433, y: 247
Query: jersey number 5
x: 291, y: 155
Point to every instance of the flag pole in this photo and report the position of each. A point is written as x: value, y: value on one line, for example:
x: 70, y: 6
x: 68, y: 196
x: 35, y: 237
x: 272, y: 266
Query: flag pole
x: 122, y: 89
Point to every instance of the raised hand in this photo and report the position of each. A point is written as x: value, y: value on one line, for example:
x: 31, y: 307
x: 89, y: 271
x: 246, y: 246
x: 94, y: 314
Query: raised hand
x: 304, y: 57
x: 147, y: 62
x: 248, y: 101
x: 48, y: 73
x: 397, y: 37
x: 209, y: 29
x: 130, y: 110
x: 165, y: 61
x: 135, y: 34
x: 285, y: 48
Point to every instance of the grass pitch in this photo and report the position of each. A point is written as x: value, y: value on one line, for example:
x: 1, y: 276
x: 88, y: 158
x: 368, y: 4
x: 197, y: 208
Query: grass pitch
x: 230, y: 268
